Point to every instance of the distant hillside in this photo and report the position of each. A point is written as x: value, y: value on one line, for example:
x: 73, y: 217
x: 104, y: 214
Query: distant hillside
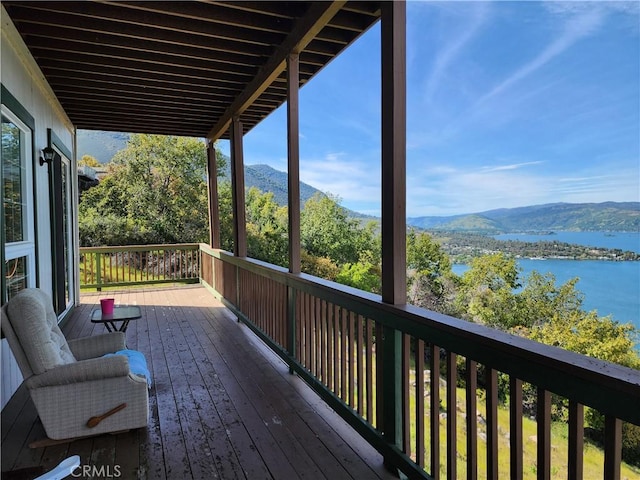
x: 101, y: 145
x: 268, y: 179
x: 607, y: 216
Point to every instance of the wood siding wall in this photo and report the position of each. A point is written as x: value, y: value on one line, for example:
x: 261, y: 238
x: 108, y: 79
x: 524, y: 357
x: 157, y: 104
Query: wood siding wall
x: 21, y: 77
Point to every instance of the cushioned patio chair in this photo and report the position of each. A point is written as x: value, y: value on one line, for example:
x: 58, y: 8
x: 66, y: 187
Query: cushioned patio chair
x: 71, y: 382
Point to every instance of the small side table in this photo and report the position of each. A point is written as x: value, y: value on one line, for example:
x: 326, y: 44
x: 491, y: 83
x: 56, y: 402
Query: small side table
x: 121, y: 313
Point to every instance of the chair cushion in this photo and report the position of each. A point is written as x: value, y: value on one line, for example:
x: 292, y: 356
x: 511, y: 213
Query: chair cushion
x: 137, y: 363
x: 36, y: 327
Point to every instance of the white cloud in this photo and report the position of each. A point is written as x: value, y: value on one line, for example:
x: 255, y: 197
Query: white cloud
x: 351, y: 179
x: 579, y: 26
x: 513, y: 166
x: 470, y: 191
x: 447, y: 54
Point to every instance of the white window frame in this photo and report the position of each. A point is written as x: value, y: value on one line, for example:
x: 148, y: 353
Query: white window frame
x: 26, y: 247
x: 68, y: 232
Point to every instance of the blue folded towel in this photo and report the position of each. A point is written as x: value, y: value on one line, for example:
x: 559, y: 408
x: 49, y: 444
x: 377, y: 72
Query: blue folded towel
x: 137, y: 363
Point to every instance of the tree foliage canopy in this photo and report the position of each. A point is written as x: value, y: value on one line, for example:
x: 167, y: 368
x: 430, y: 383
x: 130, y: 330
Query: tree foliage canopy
x: 155, y: 192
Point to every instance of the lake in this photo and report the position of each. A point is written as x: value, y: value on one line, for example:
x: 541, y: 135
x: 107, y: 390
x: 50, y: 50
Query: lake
x: 611, y: 288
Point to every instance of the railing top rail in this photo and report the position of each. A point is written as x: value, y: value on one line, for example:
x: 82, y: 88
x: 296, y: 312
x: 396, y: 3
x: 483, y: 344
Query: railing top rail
x: 140, y: 248
x: 609, y: 387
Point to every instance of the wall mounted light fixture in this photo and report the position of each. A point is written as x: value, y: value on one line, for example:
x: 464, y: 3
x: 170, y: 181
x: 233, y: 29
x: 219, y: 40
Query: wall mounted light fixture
x: 47, y: 155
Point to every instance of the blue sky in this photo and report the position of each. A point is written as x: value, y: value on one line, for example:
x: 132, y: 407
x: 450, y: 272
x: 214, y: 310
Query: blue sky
x: 508, y: 104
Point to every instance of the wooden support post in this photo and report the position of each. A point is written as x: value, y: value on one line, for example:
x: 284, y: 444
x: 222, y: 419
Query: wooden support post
x: 237, y: 190
x: 394, y: 223
x: 214, y: 209
x: 394, y: 275
x: 293, y: 156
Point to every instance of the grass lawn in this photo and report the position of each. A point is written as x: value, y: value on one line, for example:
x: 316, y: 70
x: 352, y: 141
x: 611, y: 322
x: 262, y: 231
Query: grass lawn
x: 593, y: 456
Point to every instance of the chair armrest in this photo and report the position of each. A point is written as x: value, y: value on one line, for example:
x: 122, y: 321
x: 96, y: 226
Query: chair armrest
x: 83, y: 371
x: 97, y: 345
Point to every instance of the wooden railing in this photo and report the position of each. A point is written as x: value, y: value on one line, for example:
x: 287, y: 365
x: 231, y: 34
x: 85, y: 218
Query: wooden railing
x: 139, y: 264
x: 392, y: 373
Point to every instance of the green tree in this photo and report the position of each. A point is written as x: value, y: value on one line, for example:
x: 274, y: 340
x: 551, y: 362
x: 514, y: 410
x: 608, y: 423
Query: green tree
x: 541, y: 300
x: 486, y: 292
x: 327, y: 231
x: 267, y: 228
x: 155, y: 192
x: 321, y: 267
x: 225, y: 212
x: 430, y: 282
x: 89, y: 161
x: 364, y: 274
x: 589, y: 334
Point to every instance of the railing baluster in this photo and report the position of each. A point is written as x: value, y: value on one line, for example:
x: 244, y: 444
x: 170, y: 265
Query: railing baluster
x: 543, y: 419
x: 301, y: 327
x: 576, y: 440
x: 472, y: 419
x: 370, y: 371
x: 110, y: 276
x: 318, y: 332
x: 343, y: 354
x: 299, y: 330
x: 323, y: 340
x: 360, y: 360
x: 613, y: 447
x: 336, y: 350
x: 452, y: 414
x: 515, y: 427
x: 420, y: 402
x: 379, y: 375
x: 352, y: 359
x: 128, y: 263
x: 492, y: 423
x: 331, y: 364
x: 308, y: 332
x: 280, y: 300
x: 435, y: 411
x: 274, y: 308
x: 99, y: 271
x: 267, y: 310
x: 84, y: 266
x: 113, y: 258
x: 406, y: 386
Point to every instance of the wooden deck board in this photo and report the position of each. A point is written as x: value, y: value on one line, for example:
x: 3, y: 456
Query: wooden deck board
x: 222, y: 405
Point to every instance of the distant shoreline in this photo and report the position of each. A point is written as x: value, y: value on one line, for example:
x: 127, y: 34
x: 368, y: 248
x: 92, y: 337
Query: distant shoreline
x: 462, y: 247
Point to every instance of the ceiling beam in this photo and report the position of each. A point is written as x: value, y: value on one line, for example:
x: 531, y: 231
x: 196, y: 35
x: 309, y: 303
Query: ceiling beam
x: 306, y: 28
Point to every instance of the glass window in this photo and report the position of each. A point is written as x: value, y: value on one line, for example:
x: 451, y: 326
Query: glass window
x: 17, y: 197
x: 67, y: 211
x: 16, y: 273
x: 13, y: 176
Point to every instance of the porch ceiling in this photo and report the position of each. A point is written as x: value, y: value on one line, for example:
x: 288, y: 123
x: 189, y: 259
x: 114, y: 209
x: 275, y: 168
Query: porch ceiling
x: 181, y: 68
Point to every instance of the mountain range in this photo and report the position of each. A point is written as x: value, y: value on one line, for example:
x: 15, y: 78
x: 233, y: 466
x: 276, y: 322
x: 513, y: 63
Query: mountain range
x: 607, y: 216
x: 268, y: 179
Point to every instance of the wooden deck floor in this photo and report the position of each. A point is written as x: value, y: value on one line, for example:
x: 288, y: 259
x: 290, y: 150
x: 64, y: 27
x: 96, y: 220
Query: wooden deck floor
x: 222, y: 405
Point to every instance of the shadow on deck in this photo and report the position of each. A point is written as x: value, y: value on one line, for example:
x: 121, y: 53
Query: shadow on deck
x: 222, y: 406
